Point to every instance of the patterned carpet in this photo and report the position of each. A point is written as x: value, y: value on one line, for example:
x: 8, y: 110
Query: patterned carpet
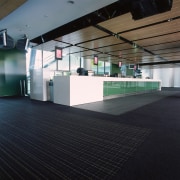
x: 40, y: 140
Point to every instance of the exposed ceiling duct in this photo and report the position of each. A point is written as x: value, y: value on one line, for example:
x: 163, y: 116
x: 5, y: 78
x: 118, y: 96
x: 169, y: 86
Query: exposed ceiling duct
x: 22, y: 44
x: 6, y: 41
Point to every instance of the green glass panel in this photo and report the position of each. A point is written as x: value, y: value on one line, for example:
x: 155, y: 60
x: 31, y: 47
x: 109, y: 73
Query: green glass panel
x: 128, y: 87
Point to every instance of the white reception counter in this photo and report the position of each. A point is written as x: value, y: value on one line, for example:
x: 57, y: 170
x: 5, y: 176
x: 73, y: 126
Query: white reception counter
x: 74, y: 90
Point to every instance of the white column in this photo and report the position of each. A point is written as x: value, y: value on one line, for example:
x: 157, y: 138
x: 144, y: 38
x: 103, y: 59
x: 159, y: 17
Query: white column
x: 87, y: 64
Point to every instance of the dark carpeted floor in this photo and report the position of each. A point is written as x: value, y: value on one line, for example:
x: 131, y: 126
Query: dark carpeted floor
x: 159, y: 156
x: 41, y: 140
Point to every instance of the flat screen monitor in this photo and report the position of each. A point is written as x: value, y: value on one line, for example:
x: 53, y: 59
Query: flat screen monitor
x: 95, y: 60
x: 58, y: 53
x: 119, y: 64
x: 131, y: 66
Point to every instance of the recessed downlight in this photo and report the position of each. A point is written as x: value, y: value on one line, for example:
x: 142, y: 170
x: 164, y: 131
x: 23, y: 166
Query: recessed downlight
x: 70, y: 2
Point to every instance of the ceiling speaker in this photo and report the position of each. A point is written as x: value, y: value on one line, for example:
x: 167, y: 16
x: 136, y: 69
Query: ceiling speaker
x: 164, y: 5
x: 144, y: 8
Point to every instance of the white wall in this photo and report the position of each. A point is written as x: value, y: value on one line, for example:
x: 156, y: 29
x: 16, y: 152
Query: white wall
x: 87, y: 64
x: 177, y: 76
x: 168, y: 74
x: 39, y: 89
x: 147, y: 72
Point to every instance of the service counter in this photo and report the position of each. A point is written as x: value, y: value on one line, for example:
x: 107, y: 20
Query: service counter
x: 74, y: 90
x: 126, y: 86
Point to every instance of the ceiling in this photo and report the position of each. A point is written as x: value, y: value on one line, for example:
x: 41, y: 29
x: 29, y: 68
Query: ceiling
x: 36, y: 17
x: 98, y: 27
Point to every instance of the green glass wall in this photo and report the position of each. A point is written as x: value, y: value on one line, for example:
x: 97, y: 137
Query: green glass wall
x: 128, y: 87
x: 12, y: 72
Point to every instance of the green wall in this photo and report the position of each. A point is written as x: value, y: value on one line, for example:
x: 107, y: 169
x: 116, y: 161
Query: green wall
x: 12, y: 71
x: 129, y: 72
x: 115, y: 69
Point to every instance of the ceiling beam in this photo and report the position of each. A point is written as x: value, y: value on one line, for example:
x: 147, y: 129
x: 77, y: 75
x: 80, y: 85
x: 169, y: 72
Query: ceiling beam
x: 127, y: 41
x: 158, y: 63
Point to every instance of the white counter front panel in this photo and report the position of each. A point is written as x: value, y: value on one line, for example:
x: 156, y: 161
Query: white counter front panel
x: 62, y: 90
x: 74, y: 90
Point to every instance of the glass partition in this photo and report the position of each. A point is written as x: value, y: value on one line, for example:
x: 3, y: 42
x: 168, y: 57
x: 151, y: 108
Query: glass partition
x: 128, y: 87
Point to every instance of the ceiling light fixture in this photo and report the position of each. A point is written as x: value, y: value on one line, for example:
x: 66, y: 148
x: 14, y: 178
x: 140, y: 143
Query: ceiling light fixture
x: 134, y: 45
x: 170, y: 19
x: 27, y: 26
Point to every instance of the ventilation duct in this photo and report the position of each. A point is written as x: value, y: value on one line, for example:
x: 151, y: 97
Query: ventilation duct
x: 6, y: 42
x: 22, y: 44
